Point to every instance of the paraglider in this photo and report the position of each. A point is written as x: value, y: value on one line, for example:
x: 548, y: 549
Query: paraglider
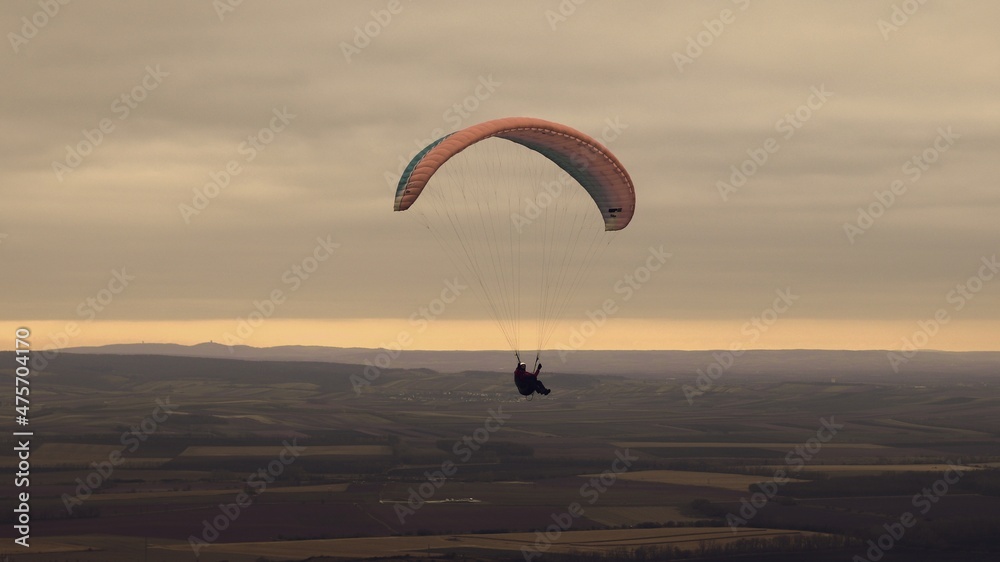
x: 528, y: 383
x: 523, y: 207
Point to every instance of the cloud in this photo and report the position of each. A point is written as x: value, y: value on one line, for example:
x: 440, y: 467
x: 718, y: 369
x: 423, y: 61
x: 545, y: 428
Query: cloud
x: 325, y: 174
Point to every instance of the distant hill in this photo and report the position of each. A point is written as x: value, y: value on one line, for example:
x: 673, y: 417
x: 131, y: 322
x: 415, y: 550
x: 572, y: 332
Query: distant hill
x: 108, y: 371
x: 803, y: 364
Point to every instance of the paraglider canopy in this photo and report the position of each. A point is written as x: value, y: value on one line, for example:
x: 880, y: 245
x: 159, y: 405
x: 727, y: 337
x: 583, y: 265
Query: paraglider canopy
x: 584, y: 158
x: 507, y: 205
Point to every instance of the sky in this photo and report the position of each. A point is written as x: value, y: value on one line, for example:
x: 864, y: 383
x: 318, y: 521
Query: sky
x: 821, y: 174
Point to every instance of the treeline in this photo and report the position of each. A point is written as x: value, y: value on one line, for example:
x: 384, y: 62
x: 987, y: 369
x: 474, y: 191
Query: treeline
x: 331, y: 464
x: 953, y: 533
x: 700, y: 507
x: 739, y: 547
x: 496, y: 448
x: 164, y: 442
x: 501, y: 460
x: 961, y: 533
x: 517, y: 459
x: 985, y: 482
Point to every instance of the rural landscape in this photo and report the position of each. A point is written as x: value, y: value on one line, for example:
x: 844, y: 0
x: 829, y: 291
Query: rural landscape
x: 519, y: 281
x: 169, y: 458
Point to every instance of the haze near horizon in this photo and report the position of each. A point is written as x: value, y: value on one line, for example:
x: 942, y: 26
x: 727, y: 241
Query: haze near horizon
x: 820, y: 176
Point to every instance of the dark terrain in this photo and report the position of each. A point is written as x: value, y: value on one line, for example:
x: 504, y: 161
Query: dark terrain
x: 370, y: 455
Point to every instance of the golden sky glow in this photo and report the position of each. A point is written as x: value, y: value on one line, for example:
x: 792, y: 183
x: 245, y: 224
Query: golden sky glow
x: 165, y: 168
x: 621, y: 333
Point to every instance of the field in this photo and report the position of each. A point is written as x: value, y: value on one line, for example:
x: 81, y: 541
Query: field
x: 260, y: 451
x: 568, y: 542
x: 833, y: 470
x: 736, y: 482
x: 55, y: 455
x: 719, y: 445
x: 456, y: 465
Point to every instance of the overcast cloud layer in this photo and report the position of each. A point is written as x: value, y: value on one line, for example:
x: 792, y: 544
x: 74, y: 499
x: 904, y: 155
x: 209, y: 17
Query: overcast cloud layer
x: 694, y: 88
